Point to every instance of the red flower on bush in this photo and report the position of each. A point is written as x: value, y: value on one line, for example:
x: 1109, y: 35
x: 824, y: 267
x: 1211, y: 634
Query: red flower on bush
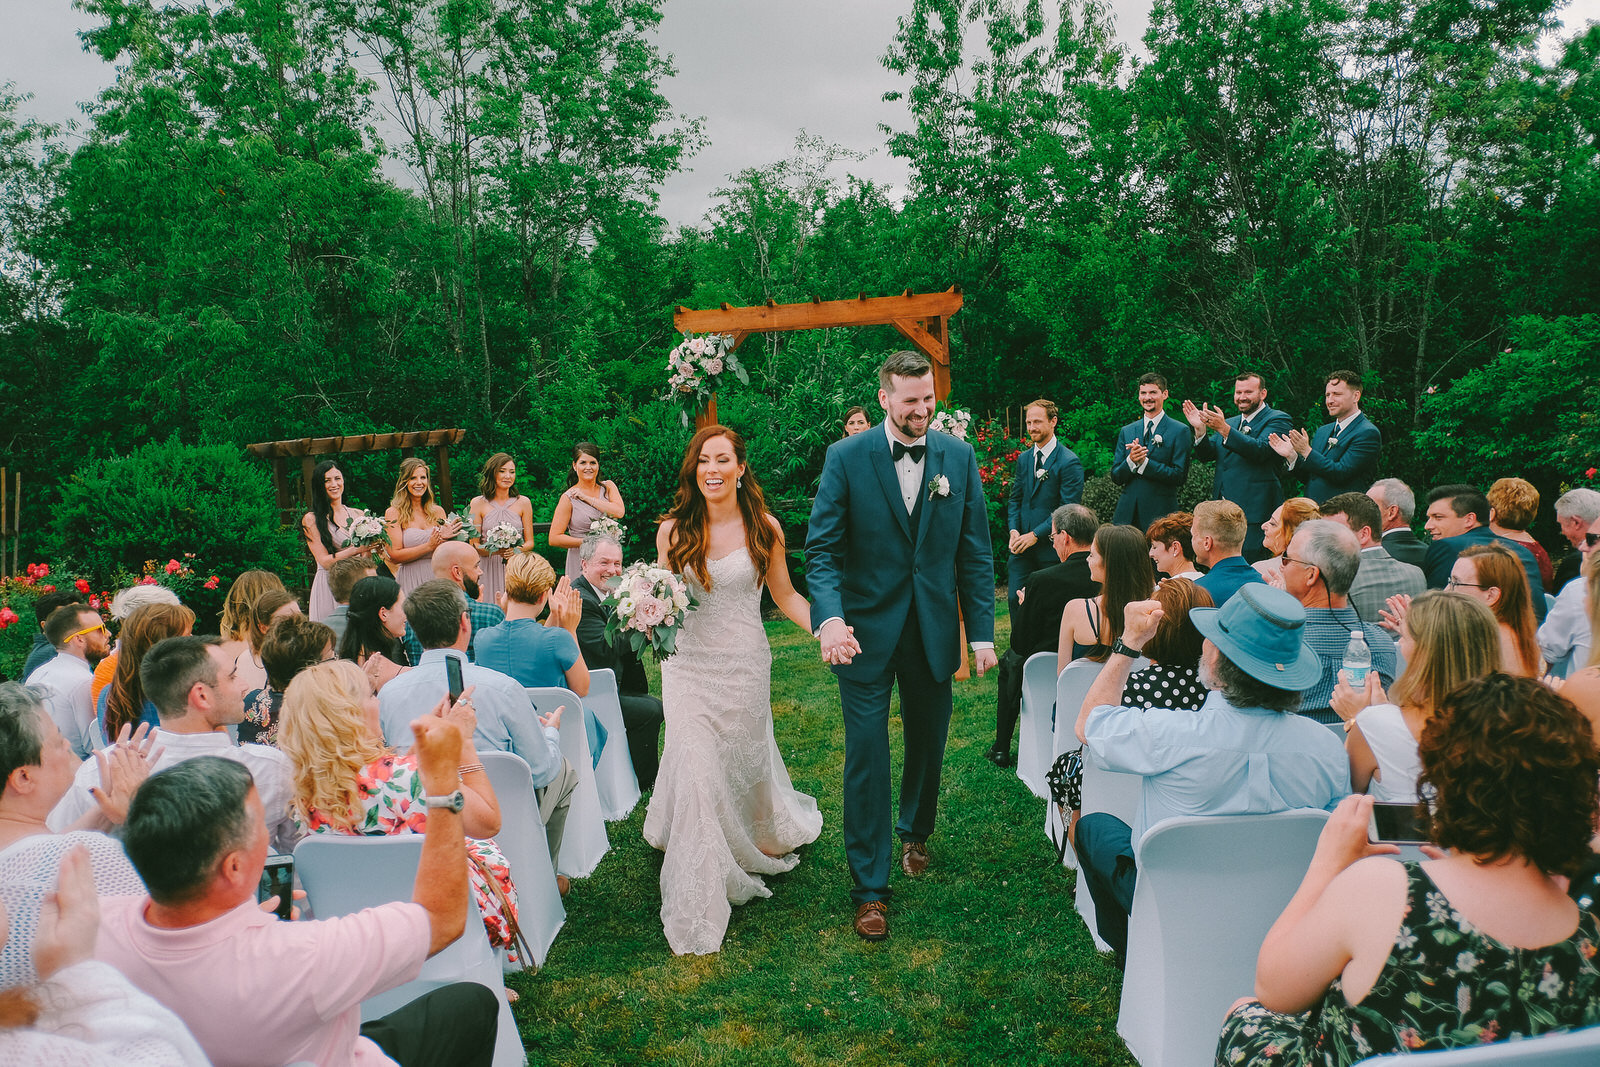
x: 173, y: 566
x: 211, y: 583
x: 38, y: 570
x: 81, y: 585
x: 147, y: 580
x: 94, y: 602
x: 47, y: 589
x: 1589, y: 473
x: 7, y: 617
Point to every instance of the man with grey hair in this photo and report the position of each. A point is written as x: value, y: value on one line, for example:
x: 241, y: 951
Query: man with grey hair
x: 1565, y: 637
x: 642, y: 714
x: 1318, y: 568
x: 1036, y: 623
x: 1397, y: 504
x: 1576, y: 512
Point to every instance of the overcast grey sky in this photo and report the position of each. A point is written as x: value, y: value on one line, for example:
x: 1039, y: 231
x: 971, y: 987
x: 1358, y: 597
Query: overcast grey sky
x: 758, y: 71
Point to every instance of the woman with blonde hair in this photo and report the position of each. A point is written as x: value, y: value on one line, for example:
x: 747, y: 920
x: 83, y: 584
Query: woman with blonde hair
x: 1492, y: 574
x: 239, y: 609
x: 1446, y: 639
x: 270, y: 606
x: 416, y: 525
x: 536, y: 654
x: 347, y: 781
x: 499, y: 504
x: 1279, y: 530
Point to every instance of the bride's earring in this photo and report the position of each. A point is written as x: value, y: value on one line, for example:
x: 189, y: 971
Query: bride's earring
x: 738, y: 483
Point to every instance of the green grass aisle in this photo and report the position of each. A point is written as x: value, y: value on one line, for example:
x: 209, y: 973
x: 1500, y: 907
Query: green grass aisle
x: 987, y: 961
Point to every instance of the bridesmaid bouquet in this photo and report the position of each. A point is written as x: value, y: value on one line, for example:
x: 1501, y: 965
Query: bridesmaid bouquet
x: 468, y: 530
x: 366, y: 529
x: 648, y: 605
x: 697, y: 368
x: 501, y: 537
x: 953, y: 422
x: 606, y: 526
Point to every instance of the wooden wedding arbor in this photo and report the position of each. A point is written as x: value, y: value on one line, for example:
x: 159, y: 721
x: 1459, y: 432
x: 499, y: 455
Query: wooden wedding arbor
x: 308, y: 449
x: 922, y: 318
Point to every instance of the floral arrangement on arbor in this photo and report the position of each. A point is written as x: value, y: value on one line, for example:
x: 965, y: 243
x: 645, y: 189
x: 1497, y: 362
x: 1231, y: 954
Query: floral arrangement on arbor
x: 697, y: 368
x: 953, y: 422
x: 648, y: 605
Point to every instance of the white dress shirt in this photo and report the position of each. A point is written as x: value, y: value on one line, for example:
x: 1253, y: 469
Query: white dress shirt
x: 1565, y: 631
x: 907, y: 470
x: 66, y: 680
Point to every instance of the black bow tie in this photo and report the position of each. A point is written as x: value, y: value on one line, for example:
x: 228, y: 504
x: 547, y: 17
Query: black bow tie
x: 901, y: 451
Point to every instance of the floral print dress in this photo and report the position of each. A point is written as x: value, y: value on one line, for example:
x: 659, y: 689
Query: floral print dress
x: 391, y: 797
x: 1445, y: 985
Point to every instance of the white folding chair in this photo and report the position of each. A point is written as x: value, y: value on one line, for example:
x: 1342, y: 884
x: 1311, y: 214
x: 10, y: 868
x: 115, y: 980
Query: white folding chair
x: 584, y: 842
x: 614, y: 779
x: 1573, y: 1048
x: 1072, y: 686
x: 521, y: 837
x: 343, y: 875
x: 1209, y: 888
x: 1110, y: 793
x: 1034, y: 726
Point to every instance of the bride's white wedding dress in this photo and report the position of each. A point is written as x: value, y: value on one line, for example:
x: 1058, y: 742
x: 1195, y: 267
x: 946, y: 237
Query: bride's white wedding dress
x: 724, y: 810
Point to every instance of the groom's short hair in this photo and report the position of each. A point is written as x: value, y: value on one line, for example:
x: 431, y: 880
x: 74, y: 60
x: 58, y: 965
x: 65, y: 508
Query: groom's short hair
x: 906, y: 364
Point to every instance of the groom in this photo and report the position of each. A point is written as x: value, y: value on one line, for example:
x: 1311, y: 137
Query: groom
x: 898, y: 533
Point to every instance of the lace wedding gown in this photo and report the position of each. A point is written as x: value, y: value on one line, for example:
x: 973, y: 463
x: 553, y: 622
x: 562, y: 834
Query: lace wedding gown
x: 724, y: 810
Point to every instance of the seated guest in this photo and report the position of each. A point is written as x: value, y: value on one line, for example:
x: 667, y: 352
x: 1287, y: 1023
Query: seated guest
x: 600, y: 559
x: 534, y: 653
x: 293, y: 644
x: 1458, y: 518
x: 1119, y: 559
x: 1447, y: 639
x: 506, y: 719
x: 1513, y: 505
x: 194, y: 682
x: 80, y: 639
x: 81, y: 1012
x: 1398, y: 506
x: 375, y: 622
x: 123, y: 605
x: 459, y: 564
x: 1318, y: 569
x: 1172, y: 546
x: 342, y: 579
x: 1577, y: 510
x: 1218, y: 535
x: 239, y: 616
x: 42, y: 651
x: 1373, y: 957
x: 1565, y: 636
x: 1493, y: 575
x: 36, y: 767
x: 347, y: 781
x: 1583, y: 687
x: 1036, y: 623
x: 1380, y: 575
x: 1173, y: 678
x: 1278, y: 531
x: 254, y: 989
x: 123, y: 703
x: 271, y: 605
x: 1244, y: 752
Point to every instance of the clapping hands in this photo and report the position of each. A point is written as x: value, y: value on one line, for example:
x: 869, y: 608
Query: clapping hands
x: 1393, y: 617
x: 1296, y: 443
x: 1137, y: 452
x: 123, y: 768
x: 1205, y: 417
x: 566, y: 607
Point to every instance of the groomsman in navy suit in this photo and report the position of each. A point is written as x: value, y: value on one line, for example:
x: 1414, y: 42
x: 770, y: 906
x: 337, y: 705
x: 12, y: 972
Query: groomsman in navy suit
x: 1248, y: 470
x: 1342, y: 456
x: 1048, y: 475
x: 1151, y: 458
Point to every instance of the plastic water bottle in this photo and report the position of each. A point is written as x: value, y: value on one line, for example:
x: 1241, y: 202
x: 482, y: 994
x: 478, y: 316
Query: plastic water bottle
x: 1357, y: 659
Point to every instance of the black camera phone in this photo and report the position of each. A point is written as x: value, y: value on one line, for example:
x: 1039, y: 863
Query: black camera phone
x: 452, y: 670
x: 277, y: 880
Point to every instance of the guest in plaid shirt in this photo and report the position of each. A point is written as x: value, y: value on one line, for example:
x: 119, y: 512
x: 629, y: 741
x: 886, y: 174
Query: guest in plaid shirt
x: 457, y: 562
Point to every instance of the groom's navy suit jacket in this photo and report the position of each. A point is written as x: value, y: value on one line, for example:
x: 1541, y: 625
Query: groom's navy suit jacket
x: 866, y: 560
x: 1248, y: 469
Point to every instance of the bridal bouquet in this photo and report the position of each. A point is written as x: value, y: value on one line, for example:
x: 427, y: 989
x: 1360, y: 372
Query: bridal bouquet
x: 648, y: 605
x: 953, y: 422
x: 606, y: 526
x: 468, y: 530
x: 366, y: 529
x: 501, y: 537
x: 696, y: 369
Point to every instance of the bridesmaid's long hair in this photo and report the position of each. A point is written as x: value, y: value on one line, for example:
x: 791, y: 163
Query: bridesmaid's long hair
x: 402, y: 494
x: 583, y: 448
x: 690, y: 538
x: 488, y: 485
x: 321, y: 506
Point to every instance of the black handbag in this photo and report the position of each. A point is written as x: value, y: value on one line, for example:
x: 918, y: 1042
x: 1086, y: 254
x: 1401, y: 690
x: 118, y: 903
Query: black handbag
x: 1065, y: 779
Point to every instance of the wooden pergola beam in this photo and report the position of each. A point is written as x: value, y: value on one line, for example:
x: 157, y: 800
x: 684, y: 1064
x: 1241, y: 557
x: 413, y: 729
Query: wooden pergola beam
x: 306, y: 449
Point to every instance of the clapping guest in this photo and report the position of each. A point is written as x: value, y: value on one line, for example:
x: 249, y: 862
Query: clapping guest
x: 535, y: 654
x: 1447, y: 639
x: 416, y: 524
x: 586, y: 499
x: 1218, y: 536
x: 293, y: 644
x: 1120, y: 562
x: 499, y: 504
x: 856, y: 420
x: 1493, y: 575
x: 377, y: 623
x: 326, y: 532
x: 270, y: 606
x: 1373, y: 957
x: 1278, y: 531
x: 1513, y: 505
x: 123, y: 703
x: 1172, y: 546
x: 1173, y: 678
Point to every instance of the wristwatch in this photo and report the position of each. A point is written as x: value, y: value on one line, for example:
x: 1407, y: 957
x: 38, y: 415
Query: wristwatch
x: 1120, y: 649
x: 450, y: 801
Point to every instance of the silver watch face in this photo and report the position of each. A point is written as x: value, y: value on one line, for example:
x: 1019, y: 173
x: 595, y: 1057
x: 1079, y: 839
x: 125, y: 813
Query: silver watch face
x: 451, y: 801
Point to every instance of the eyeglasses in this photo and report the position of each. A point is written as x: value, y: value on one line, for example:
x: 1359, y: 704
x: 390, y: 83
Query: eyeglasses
x: 1591, y: 539
x: 1456, y: 583
x: 1290, y: 559
x: 86, y: 630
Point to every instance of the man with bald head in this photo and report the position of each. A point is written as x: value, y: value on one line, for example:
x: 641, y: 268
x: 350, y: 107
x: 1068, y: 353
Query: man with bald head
x: 457, y: 562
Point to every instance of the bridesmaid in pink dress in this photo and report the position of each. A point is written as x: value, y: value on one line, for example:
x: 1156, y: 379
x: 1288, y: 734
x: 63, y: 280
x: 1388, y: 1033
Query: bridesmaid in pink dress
x: 416, y: 525
x: 325, y: 533
x: 499, y: 502
x: 587, y: 498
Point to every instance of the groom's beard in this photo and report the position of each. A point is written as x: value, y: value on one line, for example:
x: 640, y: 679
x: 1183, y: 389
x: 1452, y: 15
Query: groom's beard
x: 910, y: 433
x: 471, y: 588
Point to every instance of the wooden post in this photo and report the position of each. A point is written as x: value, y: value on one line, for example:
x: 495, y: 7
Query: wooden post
x: 308, y: 464
x: 4, y: 473
x: 442, y: 454
x: 16, y: 526
x: 706, y: 416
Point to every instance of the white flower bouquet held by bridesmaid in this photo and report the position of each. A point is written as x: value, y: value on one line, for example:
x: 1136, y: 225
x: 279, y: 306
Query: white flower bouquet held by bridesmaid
x: 606, y: 526
x: 501, y: 537
x: 648, y: 605
x: 366, y: 529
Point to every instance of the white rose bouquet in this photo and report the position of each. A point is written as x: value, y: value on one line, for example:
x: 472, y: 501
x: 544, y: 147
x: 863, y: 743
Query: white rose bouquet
x: 606, y: 526
x: 953, y: 422
x: 501, y: 537
x: 648, y: 605
x: 697, y: 367
x: 366, y: 529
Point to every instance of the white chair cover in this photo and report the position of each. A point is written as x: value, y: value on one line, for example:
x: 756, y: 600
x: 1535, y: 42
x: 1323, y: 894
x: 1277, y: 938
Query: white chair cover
x: 521, y: 838
x: 1209, y: 888
x: 1034, y: 725
x: 343, y: 874
x: 1071, y: 687
x: 584, y: 842
x: 1574, y: 1048
x: 614, y: 779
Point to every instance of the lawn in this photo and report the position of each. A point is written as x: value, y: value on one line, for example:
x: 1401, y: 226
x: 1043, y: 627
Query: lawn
x: 987, y: 961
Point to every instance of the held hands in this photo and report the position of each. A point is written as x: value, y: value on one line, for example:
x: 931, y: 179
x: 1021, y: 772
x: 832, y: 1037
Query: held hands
x: 1348, y: 701
x: 123, y: 767
x: 984, y: 660
x: 1139, y: 622
x: 1022, y: 542
x: 69, y: 918
x: 839, y: 644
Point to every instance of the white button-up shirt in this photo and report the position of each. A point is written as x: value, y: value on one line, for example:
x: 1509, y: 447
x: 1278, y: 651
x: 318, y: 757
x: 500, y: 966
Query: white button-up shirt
x: 907, y: 470
x: 66, y: 681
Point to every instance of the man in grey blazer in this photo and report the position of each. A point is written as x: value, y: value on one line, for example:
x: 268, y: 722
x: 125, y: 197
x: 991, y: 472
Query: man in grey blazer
x: 1379, y: 575
x: 1397, y: 504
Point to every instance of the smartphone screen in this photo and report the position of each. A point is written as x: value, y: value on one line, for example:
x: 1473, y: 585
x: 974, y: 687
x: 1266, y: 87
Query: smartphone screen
x: 1395, y: 824
x: 452, y: 670
x: 277, y: 880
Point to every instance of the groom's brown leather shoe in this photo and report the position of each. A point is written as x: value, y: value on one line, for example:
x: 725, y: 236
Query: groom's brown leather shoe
x: 872, y: 921
x: 913, y: 858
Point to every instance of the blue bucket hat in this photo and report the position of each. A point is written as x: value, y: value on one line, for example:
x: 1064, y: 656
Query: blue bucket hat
x: 1260, y: 629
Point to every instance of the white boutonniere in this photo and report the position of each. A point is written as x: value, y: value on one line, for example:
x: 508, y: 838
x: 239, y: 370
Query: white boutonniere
x: 938, y: 486
x: 1333, y: 441
x: 1158, y: 439
x: 1245, y: 428
x: 1042, y: 473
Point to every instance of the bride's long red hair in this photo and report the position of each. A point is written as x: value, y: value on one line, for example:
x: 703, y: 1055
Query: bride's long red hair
x: 690, y: 539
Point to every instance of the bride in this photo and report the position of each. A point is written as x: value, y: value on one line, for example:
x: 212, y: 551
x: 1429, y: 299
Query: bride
x: 723, y: 810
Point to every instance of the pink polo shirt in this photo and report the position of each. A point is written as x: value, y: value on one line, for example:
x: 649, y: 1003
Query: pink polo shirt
x: 253, y: 989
